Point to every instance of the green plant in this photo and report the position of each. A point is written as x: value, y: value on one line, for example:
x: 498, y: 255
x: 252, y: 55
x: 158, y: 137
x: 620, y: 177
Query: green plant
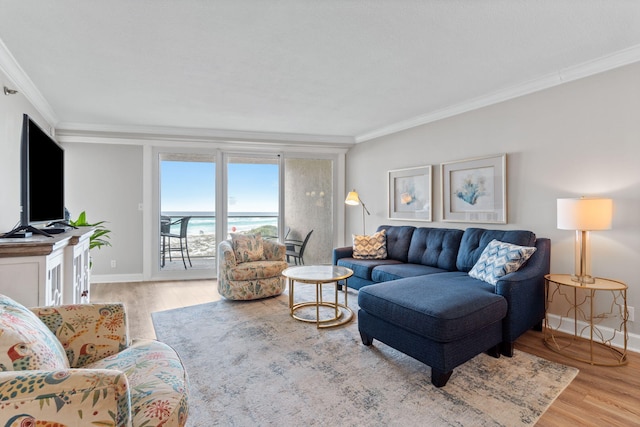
x: 99, y: 236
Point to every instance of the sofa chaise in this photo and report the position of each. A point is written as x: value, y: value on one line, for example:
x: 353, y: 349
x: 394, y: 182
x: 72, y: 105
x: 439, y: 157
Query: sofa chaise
x: 442, y: 296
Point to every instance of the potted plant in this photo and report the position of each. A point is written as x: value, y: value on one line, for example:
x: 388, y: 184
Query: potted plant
x: 100, y: 234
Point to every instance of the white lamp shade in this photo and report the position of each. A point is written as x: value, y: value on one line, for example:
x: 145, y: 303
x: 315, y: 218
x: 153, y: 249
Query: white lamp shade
x: 352, y: 198
x: 585, y: 214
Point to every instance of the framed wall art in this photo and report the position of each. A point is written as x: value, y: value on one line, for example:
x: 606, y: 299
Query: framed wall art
x: 410, y: 194
x: 475, y: 190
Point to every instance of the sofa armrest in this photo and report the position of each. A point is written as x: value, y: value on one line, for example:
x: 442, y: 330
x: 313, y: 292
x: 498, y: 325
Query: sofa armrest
x: 94, y: 396
x: 344, y: 252
x: 88, y: 332
x: 274, y: 251
x: 524, y: 292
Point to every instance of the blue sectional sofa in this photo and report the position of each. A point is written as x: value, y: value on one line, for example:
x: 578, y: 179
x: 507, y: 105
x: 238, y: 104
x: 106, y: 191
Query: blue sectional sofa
x: 421, y: 300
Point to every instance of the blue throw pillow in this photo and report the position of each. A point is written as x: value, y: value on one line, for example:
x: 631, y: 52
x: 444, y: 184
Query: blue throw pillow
x: 498, y: 259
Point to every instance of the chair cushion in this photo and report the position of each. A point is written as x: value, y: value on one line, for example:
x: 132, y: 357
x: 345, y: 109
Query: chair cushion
x: 256, y: 270
x: 157, y: 381
x: 370, y: 247
x: 25, y: 342
x: 88, y: 332
x: 498, y: 259
x: 247, y: 247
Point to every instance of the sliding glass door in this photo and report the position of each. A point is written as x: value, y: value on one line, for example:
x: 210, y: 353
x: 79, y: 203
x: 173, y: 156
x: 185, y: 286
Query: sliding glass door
x: 187, y: 211
x: 203, y: 197
x: 253, y: 194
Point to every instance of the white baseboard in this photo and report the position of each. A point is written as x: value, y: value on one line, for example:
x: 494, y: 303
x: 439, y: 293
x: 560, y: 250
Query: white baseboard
x: 116, y: 278
x: 633, y: 340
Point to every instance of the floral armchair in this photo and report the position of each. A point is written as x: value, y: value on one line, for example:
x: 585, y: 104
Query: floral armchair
x: 74, y: 365
x: 250, y: 267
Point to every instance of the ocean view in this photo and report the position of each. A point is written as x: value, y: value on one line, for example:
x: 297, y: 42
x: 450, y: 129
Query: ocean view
x: 205, y: 222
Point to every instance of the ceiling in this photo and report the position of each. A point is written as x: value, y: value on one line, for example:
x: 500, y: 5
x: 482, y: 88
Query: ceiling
x: 334, y: 71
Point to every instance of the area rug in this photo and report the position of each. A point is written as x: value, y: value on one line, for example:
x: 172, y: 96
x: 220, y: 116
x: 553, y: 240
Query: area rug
x: 251, y: 364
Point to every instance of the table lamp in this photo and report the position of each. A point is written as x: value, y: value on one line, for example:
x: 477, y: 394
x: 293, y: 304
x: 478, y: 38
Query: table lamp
x: 584, y: 215
x: 353, y: 199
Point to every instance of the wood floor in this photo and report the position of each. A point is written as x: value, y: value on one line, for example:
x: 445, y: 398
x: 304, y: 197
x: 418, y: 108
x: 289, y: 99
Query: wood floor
x: 598, y: 396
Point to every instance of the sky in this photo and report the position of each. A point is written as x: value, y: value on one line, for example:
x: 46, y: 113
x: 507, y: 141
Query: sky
x: 190, y: 186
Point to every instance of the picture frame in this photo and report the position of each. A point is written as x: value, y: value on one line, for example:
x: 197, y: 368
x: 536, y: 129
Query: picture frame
x: 409, y: 194
x: 475, y: 190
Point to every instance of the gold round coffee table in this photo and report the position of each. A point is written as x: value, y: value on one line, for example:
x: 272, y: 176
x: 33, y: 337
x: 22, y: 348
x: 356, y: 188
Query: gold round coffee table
x: 319, y: 275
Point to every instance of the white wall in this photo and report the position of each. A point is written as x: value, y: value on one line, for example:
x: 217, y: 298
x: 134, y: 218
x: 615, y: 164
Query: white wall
x: 580, y: 138
x: 106, y: 181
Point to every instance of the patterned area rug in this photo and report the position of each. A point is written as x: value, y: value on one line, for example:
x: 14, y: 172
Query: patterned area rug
x: 251, y: 364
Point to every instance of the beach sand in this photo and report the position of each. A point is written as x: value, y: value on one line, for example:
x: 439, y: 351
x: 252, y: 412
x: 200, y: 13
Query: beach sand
x: 202, y: 245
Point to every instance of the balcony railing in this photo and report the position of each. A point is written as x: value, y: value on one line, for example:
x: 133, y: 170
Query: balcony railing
x: 201, y: 236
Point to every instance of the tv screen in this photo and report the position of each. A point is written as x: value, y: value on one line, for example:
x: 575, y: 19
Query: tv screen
x: 42, y: 176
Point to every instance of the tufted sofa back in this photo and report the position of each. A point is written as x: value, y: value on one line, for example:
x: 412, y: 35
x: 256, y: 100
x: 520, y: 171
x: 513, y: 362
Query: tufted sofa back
x: 398, y: 241
x: 435, y: 247
x: 474, y: 240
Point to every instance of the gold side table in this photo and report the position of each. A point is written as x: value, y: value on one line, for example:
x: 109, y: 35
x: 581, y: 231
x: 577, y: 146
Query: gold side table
x: 586, y: 321
x: 319, y: 275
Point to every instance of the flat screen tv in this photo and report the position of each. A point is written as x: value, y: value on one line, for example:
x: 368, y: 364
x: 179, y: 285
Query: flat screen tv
x: 42, y: 181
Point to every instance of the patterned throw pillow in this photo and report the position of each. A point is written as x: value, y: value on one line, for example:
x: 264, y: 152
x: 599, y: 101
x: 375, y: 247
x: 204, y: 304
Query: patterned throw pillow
x: 247, y: 247
x: 25, y: 342
x: 370, y: 247
x: 498, y: 259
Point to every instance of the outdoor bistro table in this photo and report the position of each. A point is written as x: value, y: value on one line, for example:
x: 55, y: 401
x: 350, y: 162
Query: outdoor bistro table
x: 319, y: 275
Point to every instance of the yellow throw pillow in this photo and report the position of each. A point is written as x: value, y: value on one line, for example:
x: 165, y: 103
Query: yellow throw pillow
x: 370, y: 247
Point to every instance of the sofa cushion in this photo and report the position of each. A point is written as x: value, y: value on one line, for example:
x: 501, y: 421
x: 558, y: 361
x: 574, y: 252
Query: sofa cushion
x: 370, y: 247
x: 443, y: 307
x: 498, y: 259
x: 474, y: 240
x: 157, y: 381
x: 247, y: 247
x: 398, y: 241
x: 385, y: 273
x: 26, y: 343
x: 435, y: 247
x: 363, y: 268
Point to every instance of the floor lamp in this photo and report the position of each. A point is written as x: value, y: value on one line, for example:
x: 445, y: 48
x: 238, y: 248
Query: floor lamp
x: 353, y: 199
x: 584, y: 215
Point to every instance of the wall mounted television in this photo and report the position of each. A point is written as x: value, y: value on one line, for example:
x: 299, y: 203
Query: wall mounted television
x: 41, y: 183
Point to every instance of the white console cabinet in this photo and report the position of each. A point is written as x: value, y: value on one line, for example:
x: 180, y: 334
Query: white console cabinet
x: 42, y: 270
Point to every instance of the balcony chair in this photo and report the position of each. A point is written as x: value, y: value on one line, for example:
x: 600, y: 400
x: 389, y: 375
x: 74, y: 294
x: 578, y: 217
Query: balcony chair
x: 250, y: 267
x: 75, y: 365
x: 165, y: 233
x: 295, y: 249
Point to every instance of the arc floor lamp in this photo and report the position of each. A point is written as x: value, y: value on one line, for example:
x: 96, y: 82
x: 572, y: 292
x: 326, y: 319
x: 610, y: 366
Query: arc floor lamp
x: 353, y: 199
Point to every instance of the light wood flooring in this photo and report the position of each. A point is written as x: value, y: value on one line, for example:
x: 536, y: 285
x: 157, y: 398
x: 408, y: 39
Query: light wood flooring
x: 598, y: 396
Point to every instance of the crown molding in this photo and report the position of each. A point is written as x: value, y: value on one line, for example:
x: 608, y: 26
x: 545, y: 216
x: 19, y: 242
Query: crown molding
x: 23, y: 84
x: 173, y: 134
x: 14, y: 72
x: 586, y: 69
